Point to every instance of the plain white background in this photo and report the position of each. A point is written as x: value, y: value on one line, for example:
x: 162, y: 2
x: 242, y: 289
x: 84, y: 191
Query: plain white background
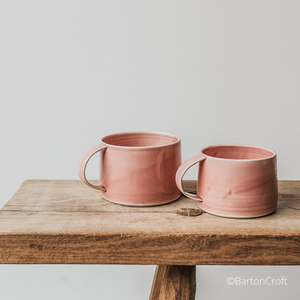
x: 210, y: 72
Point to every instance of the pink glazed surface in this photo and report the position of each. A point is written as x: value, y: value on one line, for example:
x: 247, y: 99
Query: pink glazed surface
x: 136, y: 168
x: 234, y: 180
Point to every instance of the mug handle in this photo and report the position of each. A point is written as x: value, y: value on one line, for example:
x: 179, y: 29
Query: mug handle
x: 83, y: 163
x: 182, y: 170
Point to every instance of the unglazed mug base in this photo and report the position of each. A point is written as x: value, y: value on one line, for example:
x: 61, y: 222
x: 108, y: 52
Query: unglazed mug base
x: 140, y: 203
x: 235, y: 216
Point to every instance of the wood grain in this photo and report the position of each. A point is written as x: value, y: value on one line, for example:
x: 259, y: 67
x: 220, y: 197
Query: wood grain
x: 178, y: 283
x: 157, y: 281
x: 63, y: 221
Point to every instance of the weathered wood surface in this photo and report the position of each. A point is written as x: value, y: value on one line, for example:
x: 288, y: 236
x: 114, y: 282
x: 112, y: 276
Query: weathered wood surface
x: 64, y: 221
x: 174, y: 283
x: 157, y: 281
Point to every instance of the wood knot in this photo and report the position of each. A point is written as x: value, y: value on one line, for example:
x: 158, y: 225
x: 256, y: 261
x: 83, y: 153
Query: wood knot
x: 189, y: 212
x: 39, y: 247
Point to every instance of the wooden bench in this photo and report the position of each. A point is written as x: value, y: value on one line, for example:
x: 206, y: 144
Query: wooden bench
x: 64, y: 222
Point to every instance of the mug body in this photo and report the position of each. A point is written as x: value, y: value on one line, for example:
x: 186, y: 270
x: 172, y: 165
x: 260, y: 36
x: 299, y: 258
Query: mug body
x: 138, y: 168
x: 238, y: 181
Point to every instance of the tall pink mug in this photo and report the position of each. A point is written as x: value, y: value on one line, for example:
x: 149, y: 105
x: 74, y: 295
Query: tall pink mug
x: 237, y: 181
x: 136, y: 168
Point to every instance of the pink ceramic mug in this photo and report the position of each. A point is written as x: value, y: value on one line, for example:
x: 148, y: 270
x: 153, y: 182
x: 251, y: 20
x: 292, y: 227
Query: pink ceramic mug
x: 234, y: 180
x: 136, y: 168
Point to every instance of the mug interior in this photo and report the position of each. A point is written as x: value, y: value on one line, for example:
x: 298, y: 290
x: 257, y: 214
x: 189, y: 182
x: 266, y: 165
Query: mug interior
x: 140, y: 139
x: 238, y: 152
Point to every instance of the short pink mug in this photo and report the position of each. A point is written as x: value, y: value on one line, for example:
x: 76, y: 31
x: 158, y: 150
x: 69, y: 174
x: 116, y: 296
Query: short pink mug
x: 237, y: 181
x: 136, y: 168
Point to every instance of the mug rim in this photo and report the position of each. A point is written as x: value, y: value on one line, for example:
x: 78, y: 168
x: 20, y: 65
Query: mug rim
x: 239, y: 159
x: 178, y: 140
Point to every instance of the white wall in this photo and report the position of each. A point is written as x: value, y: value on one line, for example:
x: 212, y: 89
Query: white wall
x: 210, y: 72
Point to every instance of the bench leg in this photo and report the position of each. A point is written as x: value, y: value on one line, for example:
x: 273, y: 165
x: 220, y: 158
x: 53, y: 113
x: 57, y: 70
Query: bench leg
x: 174, y: 283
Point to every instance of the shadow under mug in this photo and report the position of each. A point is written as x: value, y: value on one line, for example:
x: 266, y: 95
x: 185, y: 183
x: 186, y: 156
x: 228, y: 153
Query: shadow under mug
x: 236, y: 181
x: 136, y: 168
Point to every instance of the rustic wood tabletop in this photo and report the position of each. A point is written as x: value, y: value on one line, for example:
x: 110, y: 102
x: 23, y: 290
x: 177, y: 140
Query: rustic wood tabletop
x: 63, y: 221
